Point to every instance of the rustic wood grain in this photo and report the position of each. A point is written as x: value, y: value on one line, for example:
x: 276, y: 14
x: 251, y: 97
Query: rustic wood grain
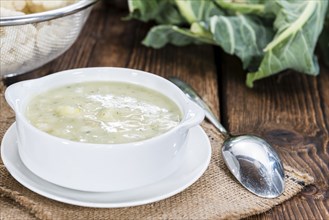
x: 292, y: 112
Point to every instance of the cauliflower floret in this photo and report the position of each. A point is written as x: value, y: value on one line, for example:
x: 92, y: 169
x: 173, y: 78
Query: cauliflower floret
x: 7, y: 12
x: 57, y: 32
x: 68, y: 111
x: 44, y: 36
x: 17, y: 43
x: 46, y: 5
x: 33, y: 6
x: 14, y: 5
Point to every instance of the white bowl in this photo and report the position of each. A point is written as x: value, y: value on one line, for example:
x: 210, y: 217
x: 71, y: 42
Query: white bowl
x: 101, y: 167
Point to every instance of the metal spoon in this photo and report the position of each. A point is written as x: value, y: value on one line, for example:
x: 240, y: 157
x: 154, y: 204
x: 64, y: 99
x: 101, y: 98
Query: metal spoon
x: 252, y: 161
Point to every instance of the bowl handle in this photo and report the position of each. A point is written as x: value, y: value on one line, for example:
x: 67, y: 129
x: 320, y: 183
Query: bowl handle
x: 194, y: 116
x: 15, y: 93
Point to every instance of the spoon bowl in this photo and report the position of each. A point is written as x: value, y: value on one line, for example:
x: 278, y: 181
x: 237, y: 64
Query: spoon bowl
x: 251, y: 160
x: 255, y: 164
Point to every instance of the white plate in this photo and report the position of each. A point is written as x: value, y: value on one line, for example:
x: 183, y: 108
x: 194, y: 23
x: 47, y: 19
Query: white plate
x: 195, y: 162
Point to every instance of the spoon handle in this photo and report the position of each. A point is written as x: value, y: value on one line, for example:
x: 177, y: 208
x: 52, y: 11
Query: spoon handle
x: 192, y: 94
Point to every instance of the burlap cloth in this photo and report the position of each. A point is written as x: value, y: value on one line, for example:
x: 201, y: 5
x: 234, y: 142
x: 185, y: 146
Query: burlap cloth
x: 215, y: 195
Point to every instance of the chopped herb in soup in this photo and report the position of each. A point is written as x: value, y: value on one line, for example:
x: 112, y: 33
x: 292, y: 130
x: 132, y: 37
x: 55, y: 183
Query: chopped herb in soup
x: 103, y: 112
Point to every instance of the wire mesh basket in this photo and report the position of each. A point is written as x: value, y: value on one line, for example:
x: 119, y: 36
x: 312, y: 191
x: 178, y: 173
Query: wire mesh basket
x: 30, y: 41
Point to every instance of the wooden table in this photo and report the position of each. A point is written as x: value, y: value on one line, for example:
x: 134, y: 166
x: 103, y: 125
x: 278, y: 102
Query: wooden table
x: 290, y: 110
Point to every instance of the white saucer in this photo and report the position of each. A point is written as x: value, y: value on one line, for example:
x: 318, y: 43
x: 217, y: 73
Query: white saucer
x: 195, y: 162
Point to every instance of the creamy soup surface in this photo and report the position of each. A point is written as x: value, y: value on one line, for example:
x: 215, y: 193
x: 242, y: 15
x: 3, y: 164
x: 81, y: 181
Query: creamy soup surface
x: 103, y: 112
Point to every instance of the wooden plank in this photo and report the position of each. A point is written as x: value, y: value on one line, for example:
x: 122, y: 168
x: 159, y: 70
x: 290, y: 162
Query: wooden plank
x: 291, y: 111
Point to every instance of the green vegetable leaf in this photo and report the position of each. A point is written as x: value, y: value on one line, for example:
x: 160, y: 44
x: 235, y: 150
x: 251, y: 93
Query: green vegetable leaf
x: 196, y: 11
x: 269, y: 36
x: 243, y: 6
x: 298, y: 24
x: 161, y: 35
x: 162, y: 11
x: 242, y: 35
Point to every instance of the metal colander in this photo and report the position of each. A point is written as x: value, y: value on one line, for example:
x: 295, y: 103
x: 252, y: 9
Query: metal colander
x: 30, y: 41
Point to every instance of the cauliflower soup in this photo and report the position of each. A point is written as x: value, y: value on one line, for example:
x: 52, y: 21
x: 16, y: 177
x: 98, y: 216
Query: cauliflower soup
x: 103, y: 112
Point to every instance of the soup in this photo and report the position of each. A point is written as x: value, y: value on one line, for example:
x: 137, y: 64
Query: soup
x: 103, y: 112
